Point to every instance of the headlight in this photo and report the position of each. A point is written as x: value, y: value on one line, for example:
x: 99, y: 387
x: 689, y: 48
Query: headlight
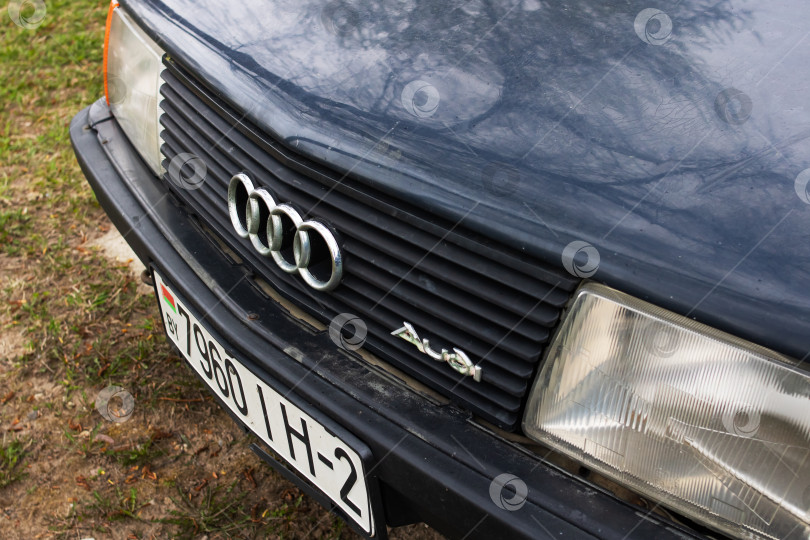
x: 707, y: 424
x: 132, y: 66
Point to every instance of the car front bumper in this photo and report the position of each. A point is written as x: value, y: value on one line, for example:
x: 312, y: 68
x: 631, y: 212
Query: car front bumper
x: 431, y: 462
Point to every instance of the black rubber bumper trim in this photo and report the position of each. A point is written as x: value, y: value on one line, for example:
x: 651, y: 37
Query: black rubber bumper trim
x: 431, y: 460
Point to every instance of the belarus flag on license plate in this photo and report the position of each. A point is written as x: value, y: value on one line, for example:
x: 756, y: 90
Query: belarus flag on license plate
x: 167, y: 296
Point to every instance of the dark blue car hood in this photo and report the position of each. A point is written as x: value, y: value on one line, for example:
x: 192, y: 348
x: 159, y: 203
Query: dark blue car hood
x: 674, y: 143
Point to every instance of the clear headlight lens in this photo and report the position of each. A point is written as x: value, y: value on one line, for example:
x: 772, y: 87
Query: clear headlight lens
x: 707, y: 424
x: 132, y: 79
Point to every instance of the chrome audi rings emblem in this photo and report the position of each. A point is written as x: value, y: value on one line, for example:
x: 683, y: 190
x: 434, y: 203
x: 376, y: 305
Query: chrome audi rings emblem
x: 274, y: 228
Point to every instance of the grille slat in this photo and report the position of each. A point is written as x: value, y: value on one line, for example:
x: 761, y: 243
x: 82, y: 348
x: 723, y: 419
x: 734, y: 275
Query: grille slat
x: 449, y: 337
x: 409, y: 298
x: 402, y: 281
x: 400, y: 263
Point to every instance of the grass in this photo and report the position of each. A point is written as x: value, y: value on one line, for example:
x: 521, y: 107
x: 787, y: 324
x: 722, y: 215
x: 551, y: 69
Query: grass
x: 218, y: 510
x: 140, y: 454
x: 14, y: 224
x: 11, y: 454
x: 123, y: 504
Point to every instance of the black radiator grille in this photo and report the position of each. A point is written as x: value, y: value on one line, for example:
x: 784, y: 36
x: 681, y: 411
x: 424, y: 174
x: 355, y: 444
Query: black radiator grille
x: 400, y: 263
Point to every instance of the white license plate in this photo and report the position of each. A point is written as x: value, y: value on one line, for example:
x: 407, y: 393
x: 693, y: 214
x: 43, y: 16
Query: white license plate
x: 321, y: 457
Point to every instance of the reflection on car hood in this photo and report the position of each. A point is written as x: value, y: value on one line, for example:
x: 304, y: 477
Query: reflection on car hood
x: 673, y: 143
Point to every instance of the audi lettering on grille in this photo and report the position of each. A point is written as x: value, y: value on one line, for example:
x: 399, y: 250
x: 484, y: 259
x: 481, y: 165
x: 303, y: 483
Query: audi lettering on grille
x: 256, y: 215
x: 457, y: 359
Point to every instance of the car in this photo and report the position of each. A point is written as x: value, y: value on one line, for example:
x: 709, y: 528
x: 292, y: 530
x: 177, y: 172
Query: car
x: 510, y: 268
